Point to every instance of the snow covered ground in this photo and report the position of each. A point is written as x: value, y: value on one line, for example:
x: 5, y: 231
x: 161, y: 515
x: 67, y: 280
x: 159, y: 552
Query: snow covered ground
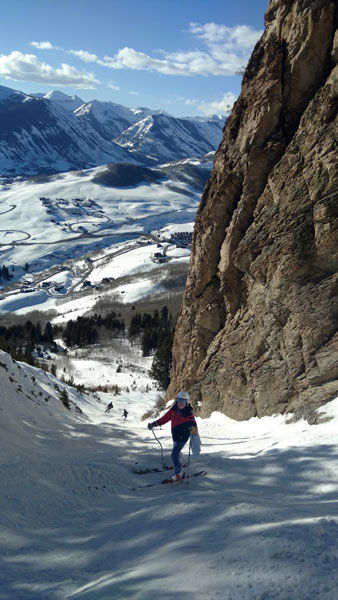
x: 78, y: 523
x: 122, y: 260
x: 43, y: 223
x: 69, y: 230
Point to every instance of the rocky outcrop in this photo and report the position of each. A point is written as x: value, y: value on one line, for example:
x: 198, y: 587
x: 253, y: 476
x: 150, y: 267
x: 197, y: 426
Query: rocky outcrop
x: 257, y: 333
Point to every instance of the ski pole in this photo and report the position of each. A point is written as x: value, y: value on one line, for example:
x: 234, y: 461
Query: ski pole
x: 156, y: 438
x: 188, y: 464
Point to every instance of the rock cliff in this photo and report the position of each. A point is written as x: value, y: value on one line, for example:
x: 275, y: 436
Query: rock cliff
x: 257, y: 333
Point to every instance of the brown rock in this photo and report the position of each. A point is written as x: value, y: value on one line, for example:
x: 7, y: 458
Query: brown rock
x: 257, y: 333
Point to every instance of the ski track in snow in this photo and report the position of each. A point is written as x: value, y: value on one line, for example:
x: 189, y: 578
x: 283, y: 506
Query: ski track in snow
x: 77, y: 523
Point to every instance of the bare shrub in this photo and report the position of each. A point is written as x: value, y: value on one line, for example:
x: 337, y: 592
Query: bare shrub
x: 156, y: 411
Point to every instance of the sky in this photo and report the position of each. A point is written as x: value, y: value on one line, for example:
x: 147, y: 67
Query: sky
x: 182, y: 56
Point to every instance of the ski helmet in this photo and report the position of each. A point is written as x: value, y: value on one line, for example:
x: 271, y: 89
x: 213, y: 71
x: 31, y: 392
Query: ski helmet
x: 182, y: 397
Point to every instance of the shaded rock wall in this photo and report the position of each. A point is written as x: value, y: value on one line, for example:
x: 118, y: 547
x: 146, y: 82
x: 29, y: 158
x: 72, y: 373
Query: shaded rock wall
x: 257, y: 332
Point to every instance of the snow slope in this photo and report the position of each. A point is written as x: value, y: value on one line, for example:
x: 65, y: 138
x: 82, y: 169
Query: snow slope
x: 38, y: 135
x: 77, y: 523
x: 164, y: 138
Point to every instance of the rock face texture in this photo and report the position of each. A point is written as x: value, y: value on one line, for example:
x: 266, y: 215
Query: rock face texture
x: 257, y: 333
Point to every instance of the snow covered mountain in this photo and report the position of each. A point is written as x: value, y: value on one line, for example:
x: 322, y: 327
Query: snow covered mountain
x: 68, y: 102
x: 56, y: 133
x: 110, y: 119
x: 164, y: 138
x: 38, y: 135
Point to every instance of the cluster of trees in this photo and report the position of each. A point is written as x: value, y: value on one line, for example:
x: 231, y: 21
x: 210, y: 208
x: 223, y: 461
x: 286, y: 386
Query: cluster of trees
x: 152, y: 329
x: 20, y: 340
x: 88, y: 330
x: 156, y: 333
x: 80, y: 332
x: 113, y: 389
x: 4, y: 273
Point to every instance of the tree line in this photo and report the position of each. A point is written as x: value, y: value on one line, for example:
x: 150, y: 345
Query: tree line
x: 154, y: 332
x: 5, y: 274
x: 86, y: 331
x: 21, y: 340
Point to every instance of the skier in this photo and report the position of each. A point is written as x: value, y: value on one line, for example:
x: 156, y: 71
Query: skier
x: 109, y: 407
x: 182, y: 424
x: 125, y: 414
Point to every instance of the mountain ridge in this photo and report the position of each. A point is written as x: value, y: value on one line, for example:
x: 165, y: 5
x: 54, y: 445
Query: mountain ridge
x: 46, y: 133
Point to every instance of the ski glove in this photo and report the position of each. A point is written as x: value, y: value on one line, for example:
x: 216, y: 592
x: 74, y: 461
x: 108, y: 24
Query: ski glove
x: 151, y: 425
x: 194, y: 430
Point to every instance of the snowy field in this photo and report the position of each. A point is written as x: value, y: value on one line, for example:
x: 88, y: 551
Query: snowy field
x: 69, y: 215
x: 78, y: 523
x: 70, y: 230
x: 123, y: 260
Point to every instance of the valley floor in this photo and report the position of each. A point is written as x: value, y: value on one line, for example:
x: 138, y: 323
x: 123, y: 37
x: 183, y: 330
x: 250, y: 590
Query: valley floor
x: 78, y: 523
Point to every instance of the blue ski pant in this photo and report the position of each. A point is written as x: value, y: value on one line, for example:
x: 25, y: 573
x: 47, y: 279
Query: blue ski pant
x: 175, y: 456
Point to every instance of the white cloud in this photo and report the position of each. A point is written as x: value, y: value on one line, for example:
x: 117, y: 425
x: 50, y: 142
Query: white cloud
x: 128, y: 58
x: 218, y: 107
x: 27, y: 67
x: 42, y: 45
x: 228, y: 50
x: 189, y: 102
x: 179, y: 63
x: 202, y: 63
x: 134, y: 93
x: 84, y: 55
x: 240, y: 39
x: 112, y: 85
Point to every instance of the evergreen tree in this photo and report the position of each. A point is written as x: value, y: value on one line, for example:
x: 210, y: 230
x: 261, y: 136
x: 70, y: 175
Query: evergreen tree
x: 148, y: 340
x: 64, y: 398
x: 135, y: 325
x: 48, y: 333
x: 160, y: 369
x: 164, y: 313
x: 28, y: 353
x: 5, y: 273
x: 146, y: 320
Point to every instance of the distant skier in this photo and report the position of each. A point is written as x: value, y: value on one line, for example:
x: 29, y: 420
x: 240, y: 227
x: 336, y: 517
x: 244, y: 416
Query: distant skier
x: 182, y: 425
x: 109, y: 407
x: 125, y: 414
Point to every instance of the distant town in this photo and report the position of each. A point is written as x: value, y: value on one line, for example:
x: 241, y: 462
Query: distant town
x: 181, y: 239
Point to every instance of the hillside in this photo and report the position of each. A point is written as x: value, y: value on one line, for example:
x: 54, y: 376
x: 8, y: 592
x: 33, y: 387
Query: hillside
x: 76, y: 522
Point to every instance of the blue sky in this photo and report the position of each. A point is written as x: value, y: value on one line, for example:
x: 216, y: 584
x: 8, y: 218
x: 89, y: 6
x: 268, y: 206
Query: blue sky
x: 181, y: 56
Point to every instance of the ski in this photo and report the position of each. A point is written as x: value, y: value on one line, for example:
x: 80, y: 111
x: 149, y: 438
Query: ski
x: 184, y: 476
x: 154, y: 469
x: 165, y: 481
x: 151, y: 470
